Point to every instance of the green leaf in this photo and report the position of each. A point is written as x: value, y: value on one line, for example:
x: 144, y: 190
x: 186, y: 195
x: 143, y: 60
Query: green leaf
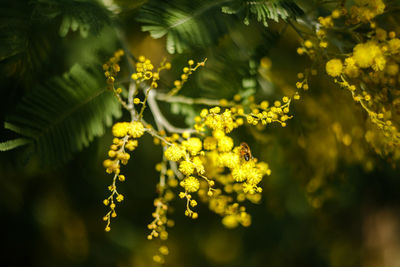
x: 86, y: 15
x: 186, y: 24
x: 11, y: 144
x: 262, y: 10
x: 65, y: 114
x: 24, y: 48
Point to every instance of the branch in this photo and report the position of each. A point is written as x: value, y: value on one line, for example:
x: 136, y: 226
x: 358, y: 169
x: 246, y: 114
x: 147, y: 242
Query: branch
x: 159, y: 117
x: 187, y: 100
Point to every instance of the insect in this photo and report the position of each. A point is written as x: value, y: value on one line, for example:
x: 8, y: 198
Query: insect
x: 245, y: 151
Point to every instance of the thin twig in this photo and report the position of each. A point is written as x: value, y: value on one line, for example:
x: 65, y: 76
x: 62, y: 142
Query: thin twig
x: 187, y: 100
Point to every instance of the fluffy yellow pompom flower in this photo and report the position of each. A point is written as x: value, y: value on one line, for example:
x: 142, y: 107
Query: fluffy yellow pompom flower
x: 254, y: 176
x: 186, y: 167
x: 230, y: 160
x: 351, y: 68
x: 210, y: 143
x: 174, y: 153
x: 365, y: 54
x: 334, y: 67
x: 136, y: 129
x: 394, y: 45
x: 239, y: 174
x: 191, y: 184
x: 193, y: 145
x: 225, y: 144
x: 120, y: 129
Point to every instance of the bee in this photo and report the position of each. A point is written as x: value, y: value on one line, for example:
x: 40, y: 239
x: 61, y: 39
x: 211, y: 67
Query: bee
x: 245, y: 151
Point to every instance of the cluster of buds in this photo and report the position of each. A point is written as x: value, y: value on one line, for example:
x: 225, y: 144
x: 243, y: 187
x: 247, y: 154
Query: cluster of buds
x: 111, y: 68
x: 124, y: 140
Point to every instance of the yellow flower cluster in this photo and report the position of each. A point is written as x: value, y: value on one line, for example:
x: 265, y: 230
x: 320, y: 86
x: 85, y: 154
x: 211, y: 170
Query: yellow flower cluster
x: 366, y: 10
x: 334, y: 67
x: 144, y: 71
x: 124, y: 132
x: 187, y: 71
x: 204, y: 161
x: 369, y: 71
x: 111, y: 68
x: 134, y: 129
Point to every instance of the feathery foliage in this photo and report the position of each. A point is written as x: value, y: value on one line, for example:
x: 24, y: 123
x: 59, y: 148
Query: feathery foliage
x: 86, y: 15
x: 185, y: 24
x: 191, y: 24
x: 262, y: 10
x: 63, y: 115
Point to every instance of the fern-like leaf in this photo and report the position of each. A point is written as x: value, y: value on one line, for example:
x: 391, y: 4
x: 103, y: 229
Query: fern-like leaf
x: 185, y: 24
x: 11, y: 144
x: 263, y: 10
x: 87, y: 16
x: 24, y: 48
x: 64, y: 114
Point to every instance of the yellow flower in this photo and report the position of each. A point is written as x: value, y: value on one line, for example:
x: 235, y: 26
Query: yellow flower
x: 249, y: 188
x: 351, y: 68
x: 186, y: 167
x: 203, y: 113
x: 239, y: 174
x: 230, y: 160
x: 334, y: 67
x: 392, y: 69
x: 174, y: 152
x: 308, y: 44
x: 380, y: 63
x: 210, y: 143
x: 191, y: 184
x: 230, y: 221
x: 366, y: 53
x: 164, y: 250
x: 394, y: 45
x: 193, y: 145
x: 254, y: 176
x: 225, y: 144
x: 198, y: 165
x: 136, y: 129
x: 218, y: 134
x: 366, y: 10
x: 120, y: 129
x: 381, y: 34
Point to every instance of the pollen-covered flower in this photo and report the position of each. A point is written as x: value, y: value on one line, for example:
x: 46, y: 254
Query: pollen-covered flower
x: 120, y: 129
x: 239, y: 174
x: 136, y: 129
x: 193, y: 145
x: 254, y: 176
x: 394, y: 45
x: 351, y: 68
x: 191, y: 184
x: 366, y: 10
x: 225, y: 144
x: 366, y: 53
x: 230, y: 160
x: 210, y: 143
x: 186, y: 167
x: 218, y: 134
x: 334, y: 67
x: 174, y: 152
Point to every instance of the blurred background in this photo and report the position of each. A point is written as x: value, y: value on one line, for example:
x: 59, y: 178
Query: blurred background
x: 332, y: 198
